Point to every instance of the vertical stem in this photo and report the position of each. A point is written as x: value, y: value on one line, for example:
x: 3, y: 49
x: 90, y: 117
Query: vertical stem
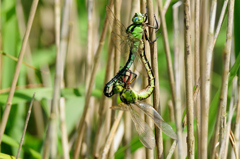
x: 189, y: 80
x: 25, y: 126
x: 167, y: 50
x: 225, y: 140
x: 154, y: 64
x: 18, y: 66
x: 206, y: 79
x: 224, y: 88
x: 149, y: 153
x: 89, y: 90
x: 30, y: 72
x: 89, y: 61
x: 197, y: 72
x: 64, y: 136
x: 102, y: 108
x: 61, y: 45
x: 177, y: 78
x: 111, y: 135
x: 117, y: 8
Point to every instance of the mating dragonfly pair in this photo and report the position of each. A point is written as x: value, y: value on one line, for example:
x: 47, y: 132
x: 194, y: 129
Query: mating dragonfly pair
x: 132, y: 37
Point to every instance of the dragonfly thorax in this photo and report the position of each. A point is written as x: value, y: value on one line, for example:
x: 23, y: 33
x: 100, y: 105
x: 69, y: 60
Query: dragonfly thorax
x: 128, y: 96
x: 138, y: 18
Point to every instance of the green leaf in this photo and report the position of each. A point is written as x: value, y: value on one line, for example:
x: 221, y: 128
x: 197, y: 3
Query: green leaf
x: 5, y: 156
x: 8, y: 140
x: 25, y: 95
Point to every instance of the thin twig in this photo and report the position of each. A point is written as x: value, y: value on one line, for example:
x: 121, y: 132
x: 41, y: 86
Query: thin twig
x: 167, y: 50
x: 237, y: 122
x: 216, y: 133
x: 111, y: 135
x: 206, y: 78
x: 64, y: 135
x: 154, y: 64
x: 117, y: 53
x: 25, y: 126
x: 149, y: 153
x: 89, y: 90
x: 18, y: 66
x: 103, y: 104
x: 165, y: 7
x: 224, y: 147
x: 62, y: 42
x: 220, y: 21
x: 177, y: 77
x: 184, y: 122
x: 189, y: 79
x: 224, y: 88
x: 197, y: 71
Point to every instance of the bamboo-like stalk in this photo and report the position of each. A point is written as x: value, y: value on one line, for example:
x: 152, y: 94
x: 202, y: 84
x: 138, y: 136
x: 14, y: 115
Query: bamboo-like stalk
x: 61, y: 50
x: 64, y: 136
x: 177, y: 77
x: 16, y: 73
x: 184, y: 123
x: 220, y: 21
x: 111, y: 135
x: 89, y: 91
x: 225, y: 139
x: 89, y: 61
x: 237, y: 122
x: 167, y: 50
x: 104, y: 101
x: 197, y: 71
x: 165, y: 7
x: 189, y: 79
x: 30, y: 72
x: 226, y: 62
x: 127, y: 116
x: 154, y: 64
x: 206, y: 78
x: 117, y: 53
x: 149, y: 153
x: 25, y: 126
x: 215, y: 137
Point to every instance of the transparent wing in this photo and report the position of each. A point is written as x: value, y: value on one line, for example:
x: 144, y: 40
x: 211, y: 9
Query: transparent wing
x: 145, y: 133
x: 126, y: 41
x: 123, y: 36
x: 140, y: 66
x: 158, y: 120
x: 121, y: 106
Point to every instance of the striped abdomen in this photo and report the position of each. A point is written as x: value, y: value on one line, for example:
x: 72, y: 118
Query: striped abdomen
x: 145, y: 93
x: 121, y: 73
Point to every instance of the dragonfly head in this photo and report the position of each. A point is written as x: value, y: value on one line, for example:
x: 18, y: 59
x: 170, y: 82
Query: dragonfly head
x: 138, y: 18
x: 118, y: 87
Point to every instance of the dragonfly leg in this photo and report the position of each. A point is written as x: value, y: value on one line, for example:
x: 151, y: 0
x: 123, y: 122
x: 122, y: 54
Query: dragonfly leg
x: 134, y: 76
x: 154, y: 27
x: 147, y: 37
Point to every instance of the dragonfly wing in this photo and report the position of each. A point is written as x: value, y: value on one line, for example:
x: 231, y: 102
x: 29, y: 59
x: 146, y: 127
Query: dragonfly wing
x: 140, y: 66
x: 114, y: 21
x: 120, y: 106
x: 145, y: 133
x: 158, y: 120
x: 123, y: 37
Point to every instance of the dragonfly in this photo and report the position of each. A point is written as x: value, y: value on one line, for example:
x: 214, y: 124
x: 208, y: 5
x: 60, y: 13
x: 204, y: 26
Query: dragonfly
x: 131, y: 101
x: 132, y: 38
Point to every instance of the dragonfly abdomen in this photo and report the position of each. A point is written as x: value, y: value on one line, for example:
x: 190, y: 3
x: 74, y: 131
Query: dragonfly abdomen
x: 118, y: 75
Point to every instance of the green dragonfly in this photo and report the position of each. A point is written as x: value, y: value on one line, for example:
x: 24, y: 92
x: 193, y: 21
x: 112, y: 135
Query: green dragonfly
x: 131, y: 37
x: 131, y: 100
